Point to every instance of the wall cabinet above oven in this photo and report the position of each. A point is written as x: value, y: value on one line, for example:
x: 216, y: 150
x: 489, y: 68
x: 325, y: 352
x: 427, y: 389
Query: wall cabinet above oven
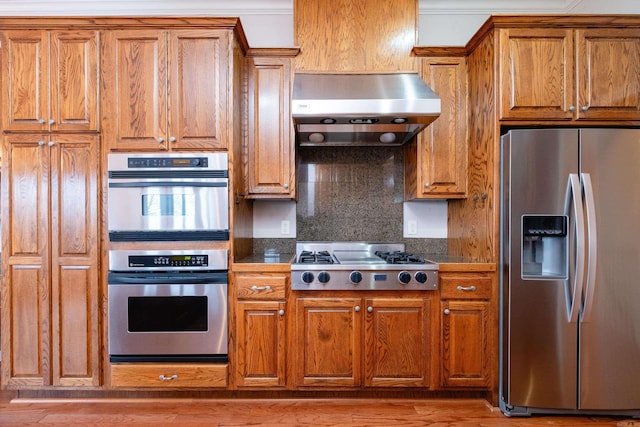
x: 165, y: 89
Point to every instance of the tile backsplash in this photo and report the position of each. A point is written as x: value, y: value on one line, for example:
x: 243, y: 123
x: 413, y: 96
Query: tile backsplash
x: 350, y: 193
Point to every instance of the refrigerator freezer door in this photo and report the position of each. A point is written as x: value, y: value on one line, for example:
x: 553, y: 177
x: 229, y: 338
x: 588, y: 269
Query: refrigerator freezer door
x: 610, y: 332
x: 539, y: 344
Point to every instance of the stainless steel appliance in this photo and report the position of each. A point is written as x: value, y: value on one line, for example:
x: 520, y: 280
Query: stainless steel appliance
x: 570, y: 262
x: 361, y: 109
x: 168, y: 305
x: 168, y: 196
x: 360, y: 266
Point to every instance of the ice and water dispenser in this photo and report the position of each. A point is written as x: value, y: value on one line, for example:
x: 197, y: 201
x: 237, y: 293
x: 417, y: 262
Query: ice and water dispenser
x: 544, y: 247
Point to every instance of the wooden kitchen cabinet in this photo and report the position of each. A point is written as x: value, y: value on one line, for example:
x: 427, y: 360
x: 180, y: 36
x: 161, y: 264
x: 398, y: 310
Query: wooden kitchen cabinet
x: 169, y: 375
x: 436, y: 160
x: 271, y: 141
x: 50, y: 332
x: 50, y: 80
x: 352, y: 341
x: 569, y: 74
x: 260, y: 330
x: 165, y: 89
x: 465, y: 309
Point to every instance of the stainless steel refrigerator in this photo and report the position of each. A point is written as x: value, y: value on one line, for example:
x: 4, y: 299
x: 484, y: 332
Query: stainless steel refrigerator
x: 570, y: 272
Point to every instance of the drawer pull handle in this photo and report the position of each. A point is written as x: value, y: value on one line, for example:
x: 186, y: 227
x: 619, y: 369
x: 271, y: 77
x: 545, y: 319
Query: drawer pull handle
x: 261, y: 288
x: 466, y: 288
x: 171, y: 378
x: 447, y: 311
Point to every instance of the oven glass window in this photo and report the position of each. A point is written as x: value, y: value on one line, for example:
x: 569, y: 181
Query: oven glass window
x: 168, y: 204
x: 168, y: 314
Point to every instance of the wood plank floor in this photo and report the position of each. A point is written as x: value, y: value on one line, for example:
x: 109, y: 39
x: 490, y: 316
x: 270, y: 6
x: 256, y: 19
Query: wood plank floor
x: 275, y: 412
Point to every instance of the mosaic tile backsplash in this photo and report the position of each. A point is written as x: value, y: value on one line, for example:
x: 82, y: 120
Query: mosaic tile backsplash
x: 350, y: 193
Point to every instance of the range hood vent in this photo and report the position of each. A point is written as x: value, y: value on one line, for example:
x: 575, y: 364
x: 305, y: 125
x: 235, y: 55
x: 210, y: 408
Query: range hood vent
x: 361, y: 109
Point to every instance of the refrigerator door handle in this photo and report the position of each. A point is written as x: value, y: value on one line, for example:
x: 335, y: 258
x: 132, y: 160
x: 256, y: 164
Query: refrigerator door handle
x: 592, y: 240
x: 574, y: 297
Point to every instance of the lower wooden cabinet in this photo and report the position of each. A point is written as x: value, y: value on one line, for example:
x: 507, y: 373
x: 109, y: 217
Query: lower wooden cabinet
x: 176, y: 375
x: 466, y: 343
x: 260, y: 330
x: 351, y: 341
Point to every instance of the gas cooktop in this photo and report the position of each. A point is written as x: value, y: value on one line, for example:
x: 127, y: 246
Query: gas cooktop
x: 360, y: 266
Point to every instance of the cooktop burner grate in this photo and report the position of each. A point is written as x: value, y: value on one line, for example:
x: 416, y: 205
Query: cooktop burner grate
x: 399, y: 257
x: 320, y: 257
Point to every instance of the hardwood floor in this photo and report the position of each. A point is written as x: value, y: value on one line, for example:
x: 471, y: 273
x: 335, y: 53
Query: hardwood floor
x: 275, y: 412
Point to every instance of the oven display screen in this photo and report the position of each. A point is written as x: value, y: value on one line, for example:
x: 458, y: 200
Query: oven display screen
x: 168, y: 205
x: 379, y: 276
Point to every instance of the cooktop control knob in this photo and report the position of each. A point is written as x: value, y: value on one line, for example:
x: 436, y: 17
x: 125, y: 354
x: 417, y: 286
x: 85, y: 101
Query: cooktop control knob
x: 355, y: 277
x: 404, y: 277
x: 307, y: 277
x: 323, y: 277
x: 421, y: 277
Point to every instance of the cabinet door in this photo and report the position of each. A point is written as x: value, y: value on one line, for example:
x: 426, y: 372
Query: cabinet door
x: 74, y: 81
x: 536, y: 74
x: 465, y: 344
x: 198, y: 68
x: 608, y: 74
x: 442, y: 147
x: 271, y: 140
x: 26, y: 295
x: 25, y: 68
x: 261, y: 344
x: 396, y: 342
x: 74, y: 260
x: 328, y: 341
x: 134, y: 90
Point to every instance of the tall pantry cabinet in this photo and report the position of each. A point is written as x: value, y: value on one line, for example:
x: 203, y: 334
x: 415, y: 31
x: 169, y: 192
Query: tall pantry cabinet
x: 50, y: 151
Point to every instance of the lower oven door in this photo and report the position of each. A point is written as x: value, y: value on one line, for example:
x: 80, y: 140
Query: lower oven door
x: 168, y: 322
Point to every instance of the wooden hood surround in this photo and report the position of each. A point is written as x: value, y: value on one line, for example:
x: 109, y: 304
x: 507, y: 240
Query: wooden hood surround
x: 355, y: 35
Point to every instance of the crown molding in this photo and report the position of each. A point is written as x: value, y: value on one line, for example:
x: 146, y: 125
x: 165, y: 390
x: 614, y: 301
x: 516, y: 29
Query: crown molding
x: 145, y: 7
x: 475, y: 7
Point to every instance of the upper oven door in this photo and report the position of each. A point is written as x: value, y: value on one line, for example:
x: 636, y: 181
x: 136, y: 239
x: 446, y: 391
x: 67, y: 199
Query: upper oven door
x: 181, y: 203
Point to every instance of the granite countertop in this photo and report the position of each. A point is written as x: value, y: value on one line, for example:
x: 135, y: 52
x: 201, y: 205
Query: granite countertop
x: 276, y: 258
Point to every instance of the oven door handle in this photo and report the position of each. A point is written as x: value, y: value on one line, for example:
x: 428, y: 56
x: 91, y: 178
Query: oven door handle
x: 139, y: 184
x: 166, y: 278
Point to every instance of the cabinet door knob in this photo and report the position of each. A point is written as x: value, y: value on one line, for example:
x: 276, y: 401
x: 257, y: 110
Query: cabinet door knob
x: 584, y: 108
x: 160, y: 139
x: 281, y: 312
x: 41, y: 143
x: 286, y: 186
x: 572, y: 108
x: 172, y: 139
x: 427, y: 185
x: 370, y: 309
x: 447, y: 311
x: 51, y: 143
x: 51, y: 121
x: 467, y: 288
x: 41, y: 121
x: 357, y: 308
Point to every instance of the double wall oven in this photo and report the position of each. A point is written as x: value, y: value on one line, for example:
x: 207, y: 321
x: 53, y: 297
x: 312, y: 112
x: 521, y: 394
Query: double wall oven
x: 168, y: 305
x: 168, y: 301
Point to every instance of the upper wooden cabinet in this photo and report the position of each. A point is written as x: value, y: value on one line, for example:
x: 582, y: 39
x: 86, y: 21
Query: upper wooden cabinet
x: 165, y: 89
x: 569, y: 74
x: 436, y: 161
x: 50, y: 80
x: 271, y: 141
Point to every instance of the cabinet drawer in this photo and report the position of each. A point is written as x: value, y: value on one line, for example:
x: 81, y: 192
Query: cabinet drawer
x: 260, y: 286
x: 465, y: 287
x: 169, y: 375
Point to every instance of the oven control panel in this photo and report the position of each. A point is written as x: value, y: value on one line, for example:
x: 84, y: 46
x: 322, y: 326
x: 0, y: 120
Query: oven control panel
x: 168, y: 261
x: 167, y: 162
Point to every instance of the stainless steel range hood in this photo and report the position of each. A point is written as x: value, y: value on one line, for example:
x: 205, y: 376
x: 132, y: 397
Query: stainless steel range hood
x: 361, y: 109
